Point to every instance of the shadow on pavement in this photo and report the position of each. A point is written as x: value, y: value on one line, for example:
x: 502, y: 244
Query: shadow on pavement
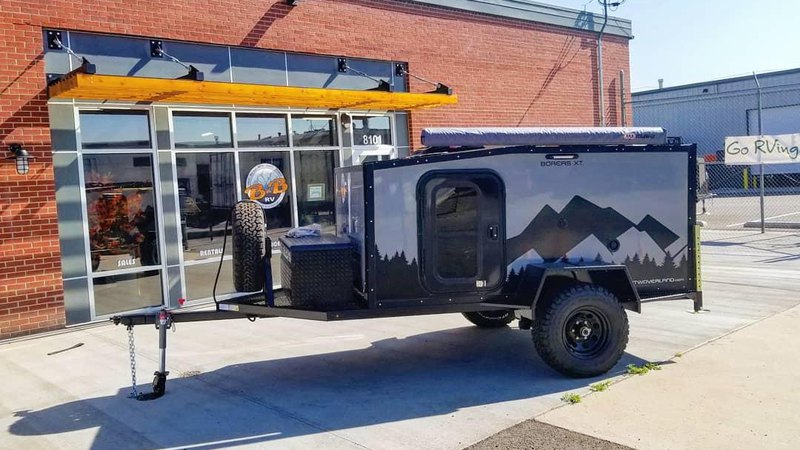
x: 420, y: 376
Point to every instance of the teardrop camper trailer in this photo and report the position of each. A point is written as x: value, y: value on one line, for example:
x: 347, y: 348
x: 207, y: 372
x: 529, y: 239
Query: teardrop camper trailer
x: 561, y: 229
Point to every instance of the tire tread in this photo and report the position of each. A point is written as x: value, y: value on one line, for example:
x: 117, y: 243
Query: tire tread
x: 541, y: 325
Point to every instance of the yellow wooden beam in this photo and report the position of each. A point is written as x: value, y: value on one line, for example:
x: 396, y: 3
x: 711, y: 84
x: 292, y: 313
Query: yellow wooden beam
x: 152, y: 90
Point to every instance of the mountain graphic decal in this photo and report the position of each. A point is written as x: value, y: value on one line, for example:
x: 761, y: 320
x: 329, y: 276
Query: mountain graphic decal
x: 553, y: 234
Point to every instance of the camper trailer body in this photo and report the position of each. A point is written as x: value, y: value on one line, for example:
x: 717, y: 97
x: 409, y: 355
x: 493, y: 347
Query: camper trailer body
x: 488, y: 226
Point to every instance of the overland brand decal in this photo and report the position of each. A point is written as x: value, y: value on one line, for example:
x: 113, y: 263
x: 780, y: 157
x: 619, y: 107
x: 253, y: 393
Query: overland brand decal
x: 266, y: 185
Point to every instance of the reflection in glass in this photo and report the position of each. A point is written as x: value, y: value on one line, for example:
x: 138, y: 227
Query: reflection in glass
x: 276, y: 166
x: 315, y: 201
x: 115, y: 129
x: 456, y: 231
x: 206, y: 192
x: 117, y: 293
x: 261, y: 130
x: 200, y: 280
x: 313, y: 131
x: 201, y: 130
x: 121, y: 211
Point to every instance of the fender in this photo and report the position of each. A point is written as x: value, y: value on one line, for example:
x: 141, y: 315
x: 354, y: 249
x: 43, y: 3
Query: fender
x: 541, y: 283
x: 615, y: 278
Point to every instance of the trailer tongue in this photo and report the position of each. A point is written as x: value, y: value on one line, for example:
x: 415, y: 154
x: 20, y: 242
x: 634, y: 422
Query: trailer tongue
x: 562, y: 229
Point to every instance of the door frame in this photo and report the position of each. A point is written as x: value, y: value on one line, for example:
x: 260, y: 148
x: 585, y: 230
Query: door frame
x: 466, y: 177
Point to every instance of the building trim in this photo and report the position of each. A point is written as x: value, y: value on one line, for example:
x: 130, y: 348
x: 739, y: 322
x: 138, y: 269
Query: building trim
x: 761, y: 76
x: 531, y: 11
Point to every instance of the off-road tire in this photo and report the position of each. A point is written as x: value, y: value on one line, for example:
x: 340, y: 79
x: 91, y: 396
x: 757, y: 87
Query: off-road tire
x: 491, y: 319
x: 554, y: 326
x: 248, y: 235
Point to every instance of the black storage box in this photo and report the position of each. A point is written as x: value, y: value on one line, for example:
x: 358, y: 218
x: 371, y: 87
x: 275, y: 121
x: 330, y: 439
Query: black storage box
x: 317, y: 272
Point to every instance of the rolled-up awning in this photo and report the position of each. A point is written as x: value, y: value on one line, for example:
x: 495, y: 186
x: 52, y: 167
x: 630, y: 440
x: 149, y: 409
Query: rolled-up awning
x: 84, y: 86
x: 444, y: 137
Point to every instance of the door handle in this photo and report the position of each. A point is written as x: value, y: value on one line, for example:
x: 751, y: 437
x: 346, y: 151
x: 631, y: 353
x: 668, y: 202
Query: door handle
x: 494, y: 232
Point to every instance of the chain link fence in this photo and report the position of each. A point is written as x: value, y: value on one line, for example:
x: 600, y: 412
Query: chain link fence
x: 737, y: 205
x: 731, y: 198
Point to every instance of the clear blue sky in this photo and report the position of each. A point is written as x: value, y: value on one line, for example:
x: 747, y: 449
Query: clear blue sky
x: 686, y: 41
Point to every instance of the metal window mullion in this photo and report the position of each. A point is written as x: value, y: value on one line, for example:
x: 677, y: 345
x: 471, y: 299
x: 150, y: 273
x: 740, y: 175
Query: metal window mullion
x: 200, y: 262
x: 295, y: 200
x: 160, y: 228
x: 393, y: 134
x: 178, y: 229
x: 340, y: 137
x: 84, y: 217
x: 126, y: 271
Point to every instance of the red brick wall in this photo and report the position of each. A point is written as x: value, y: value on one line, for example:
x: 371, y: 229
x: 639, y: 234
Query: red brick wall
x: 505, y: 72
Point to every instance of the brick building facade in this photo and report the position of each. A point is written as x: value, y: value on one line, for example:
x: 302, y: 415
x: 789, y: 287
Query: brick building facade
x: 510, y: 65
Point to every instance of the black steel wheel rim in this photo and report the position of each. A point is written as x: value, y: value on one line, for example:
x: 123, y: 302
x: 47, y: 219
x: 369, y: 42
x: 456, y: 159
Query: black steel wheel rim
x: 586, y: 332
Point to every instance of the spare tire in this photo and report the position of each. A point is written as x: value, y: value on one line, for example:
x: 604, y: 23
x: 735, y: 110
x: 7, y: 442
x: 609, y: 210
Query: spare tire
x: 248, y: 234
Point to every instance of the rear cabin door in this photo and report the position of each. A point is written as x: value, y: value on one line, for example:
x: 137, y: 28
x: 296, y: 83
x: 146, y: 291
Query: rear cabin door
x: 462, y: 231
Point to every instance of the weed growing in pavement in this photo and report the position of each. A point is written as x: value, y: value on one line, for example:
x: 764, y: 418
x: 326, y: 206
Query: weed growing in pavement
x: 678, y: 355
x: 633, y: 369
x: 571, y: 398
x: 600, y: 387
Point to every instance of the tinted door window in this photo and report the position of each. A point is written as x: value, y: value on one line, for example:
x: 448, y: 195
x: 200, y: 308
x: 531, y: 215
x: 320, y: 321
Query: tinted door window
x: 456, y: 231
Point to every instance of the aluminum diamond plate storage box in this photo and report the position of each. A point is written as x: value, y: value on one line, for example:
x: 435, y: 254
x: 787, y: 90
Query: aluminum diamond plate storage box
x: 317, y: 272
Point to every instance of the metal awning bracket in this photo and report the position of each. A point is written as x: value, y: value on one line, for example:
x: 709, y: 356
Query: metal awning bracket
x: 54, y: 43
x: 157, y: 51
x: 343, y: 67
x: 401, y: 69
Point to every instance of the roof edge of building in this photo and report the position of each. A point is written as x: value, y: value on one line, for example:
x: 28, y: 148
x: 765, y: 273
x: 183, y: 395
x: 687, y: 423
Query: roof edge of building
x: 717, y: 81
x: 532, y: 11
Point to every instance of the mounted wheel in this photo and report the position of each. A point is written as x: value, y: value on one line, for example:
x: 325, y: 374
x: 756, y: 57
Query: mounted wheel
x: 582, y: 332
x: 248, y: 234
x: 491, y: 319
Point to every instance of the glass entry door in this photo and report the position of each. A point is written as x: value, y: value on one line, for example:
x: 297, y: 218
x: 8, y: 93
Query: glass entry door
x: 124, y: 249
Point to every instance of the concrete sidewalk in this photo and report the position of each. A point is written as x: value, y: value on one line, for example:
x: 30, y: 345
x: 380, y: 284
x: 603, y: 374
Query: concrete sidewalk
x: 402, y: 383
x: 740, y: 391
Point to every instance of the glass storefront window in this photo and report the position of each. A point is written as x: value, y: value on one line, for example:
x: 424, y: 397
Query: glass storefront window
x: 315, y: 198
x: 201, y: 130
x: 118, y: 293
x: 200, y: 280
x: 261, y: 130
x: 110, y: 128
x: 313, y: 131
x: 121, y: 210
x: 206, y: 192
x: 371, y: 130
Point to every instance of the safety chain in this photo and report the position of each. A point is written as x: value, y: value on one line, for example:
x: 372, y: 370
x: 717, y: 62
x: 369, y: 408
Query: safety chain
x: 132, y: 349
